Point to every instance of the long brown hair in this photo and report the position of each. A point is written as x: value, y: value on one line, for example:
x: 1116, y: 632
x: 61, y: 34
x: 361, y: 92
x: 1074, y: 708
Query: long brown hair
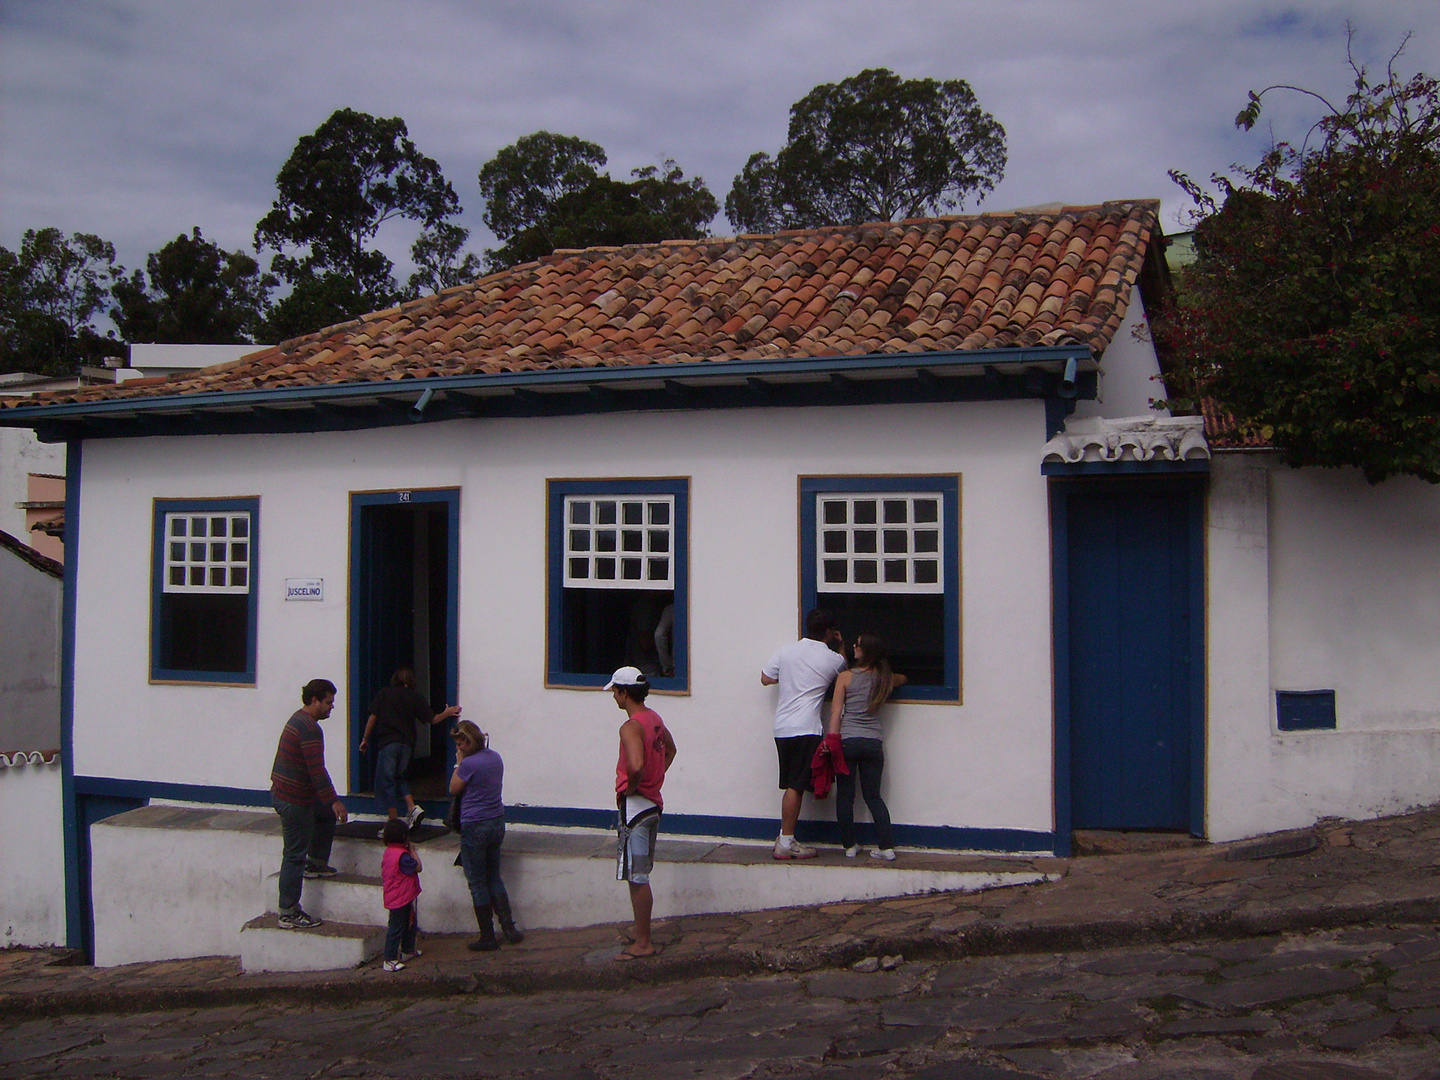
x: 876, y: 658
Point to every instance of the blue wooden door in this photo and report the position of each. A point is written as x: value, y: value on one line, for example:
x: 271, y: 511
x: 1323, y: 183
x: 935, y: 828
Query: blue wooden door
x: 1134, y: 579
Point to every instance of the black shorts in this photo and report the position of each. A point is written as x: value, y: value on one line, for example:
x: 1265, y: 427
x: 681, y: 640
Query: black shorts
x: 795, y: 754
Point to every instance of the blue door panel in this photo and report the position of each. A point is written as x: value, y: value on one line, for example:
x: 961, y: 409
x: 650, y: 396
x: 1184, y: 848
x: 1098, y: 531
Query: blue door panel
x: 1131, y: 582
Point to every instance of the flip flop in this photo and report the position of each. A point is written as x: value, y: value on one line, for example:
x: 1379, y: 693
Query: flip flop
x: 625, y: 936
x: 625, y: 956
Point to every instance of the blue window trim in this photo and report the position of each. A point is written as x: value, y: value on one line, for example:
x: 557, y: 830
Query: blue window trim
x: 947, y: 486
x: 157, y: 577
x: 556, y: 490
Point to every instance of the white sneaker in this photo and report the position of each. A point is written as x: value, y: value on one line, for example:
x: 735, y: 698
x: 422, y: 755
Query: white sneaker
x: 411, y: 955
x: 394, y: 965
x: 793, y: 850
x: 415, y: 816
x: 886, y: 853
x: 852, y: 851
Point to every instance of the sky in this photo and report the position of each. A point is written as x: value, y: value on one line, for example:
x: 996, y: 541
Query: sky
x: 137, y: 120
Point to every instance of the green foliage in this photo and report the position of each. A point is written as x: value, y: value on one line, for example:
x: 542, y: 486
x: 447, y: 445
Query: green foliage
x: 341, y: 183
x: 1312, y: 311
x: 50, y: 292
x: 545, y: 192
x: 874, y: 147
x: 438, y: 261
x: 197, y: 294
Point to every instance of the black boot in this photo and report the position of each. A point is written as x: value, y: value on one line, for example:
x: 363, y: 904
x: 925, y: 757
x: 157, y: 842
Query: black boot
x: 486, y: 941
x: 507, y: 921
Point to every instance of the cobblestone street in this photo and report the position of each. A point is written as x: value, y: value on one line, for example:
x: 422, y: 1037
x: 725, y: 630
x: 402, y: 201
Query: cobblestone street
x: 1349, y: 1004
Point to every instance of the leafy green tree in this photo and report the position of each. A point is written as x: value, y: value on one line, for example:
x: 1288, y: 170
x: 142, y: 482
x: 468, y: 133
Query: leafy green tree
x: 439, y: 263
x: 873, y: 147
x: 546, y: 192
x: 1312, y: 311
x: 196, y: 293
x: 340, y: 184
x: 51, y: 290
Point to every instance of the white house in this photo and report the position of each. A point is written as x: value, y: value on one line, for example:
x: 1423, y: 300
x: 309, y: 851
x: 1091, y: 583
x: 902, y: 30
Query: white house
x: 937, y: 429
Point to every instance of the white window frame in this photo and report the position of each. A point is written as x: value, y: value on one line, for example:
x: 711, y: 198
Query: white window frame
x: 216, y: 563
x: 587, y: 545
x: 884, y: 546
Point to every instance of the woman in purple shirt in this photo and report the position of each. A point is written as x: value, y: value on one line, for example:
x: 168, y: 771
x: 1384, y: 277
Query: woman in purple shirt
x: 479, y: 774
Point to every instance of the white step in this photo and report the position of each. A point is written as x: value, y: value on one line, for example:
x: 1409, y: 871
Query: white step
x: 331, y: 946
x: 345, y: 898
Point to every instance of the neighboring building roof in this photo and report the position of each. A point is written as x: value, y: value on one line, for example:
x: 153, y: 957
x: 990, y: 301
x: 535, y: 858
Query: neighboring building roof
x: 43, y: 563
x: 993, y: 284
x: 1223, y: 431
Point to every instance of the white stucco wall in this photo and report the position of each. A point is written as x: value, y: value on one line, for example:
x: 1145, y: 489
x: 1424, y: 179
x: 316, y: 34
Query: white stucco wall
x: 1129, y: 371
x: 985, y: 763
x: 20, y: 455
x: 32, y: 870
x: 30, y: 600
x: 1319, y: 581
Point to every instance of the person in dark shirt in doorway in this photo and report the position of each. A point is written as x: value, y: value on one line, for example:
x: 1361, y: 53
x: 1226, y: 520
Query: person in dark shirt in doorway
x: 396, y: 710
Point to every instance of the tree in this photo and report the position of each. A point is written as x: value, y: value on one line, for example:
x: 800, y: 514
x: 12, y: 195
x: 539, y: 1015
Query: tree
x: 50, y: 292
x: 197, y: 293
x: 1312, y: 311
x: 873, y: 147
x: 546, y: 192
x: 341, y: 183
x: 438, y: 262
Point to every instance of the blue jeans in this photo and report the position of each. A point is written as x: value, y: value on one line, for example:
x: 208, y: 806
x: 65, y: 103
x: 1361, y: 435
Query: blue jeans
x: 866, y: 758
x: 400, y: 931
x: 391, y: 761
x: 480, y: 858
x: 307, y: 832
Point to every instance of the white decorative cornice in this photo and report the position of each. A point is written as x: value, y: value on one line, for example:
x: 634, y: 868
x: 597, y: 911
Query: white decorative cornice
x: 1133, y: 438
x: 29, y: 757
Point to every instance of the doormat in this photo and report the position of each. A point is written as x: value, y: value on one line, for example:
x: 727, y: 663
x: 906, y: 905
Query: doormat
x: 368, y: 830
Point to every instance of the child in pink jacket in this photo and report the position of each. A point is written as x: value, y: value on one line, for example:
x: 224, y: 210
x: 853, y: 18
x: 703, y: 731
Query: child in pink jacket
x: 400, y: 874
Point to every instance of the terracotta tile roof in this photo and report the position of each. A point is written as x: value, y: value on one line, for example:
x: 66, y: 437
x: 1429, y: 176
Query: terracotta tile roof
x: 1224, y: 432
x: 992, y: 281
x: 43, y: 563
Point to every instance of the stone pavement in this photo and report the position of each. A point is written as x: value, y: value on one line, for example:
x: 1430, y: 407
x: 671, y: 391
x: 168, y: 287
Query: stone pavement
x: 1335, y: 876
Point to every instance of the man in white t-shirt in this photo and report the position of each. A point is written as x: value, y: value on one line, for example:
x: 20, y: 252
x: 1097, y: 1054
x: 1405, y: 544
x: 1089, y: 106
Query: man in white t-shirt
x: 805, y: 671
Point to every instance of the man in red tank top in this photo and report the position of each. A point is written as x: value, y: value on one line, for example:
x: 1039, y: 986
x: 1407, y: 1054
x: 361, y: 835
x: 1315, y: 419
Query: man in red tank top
x: 646, y: 751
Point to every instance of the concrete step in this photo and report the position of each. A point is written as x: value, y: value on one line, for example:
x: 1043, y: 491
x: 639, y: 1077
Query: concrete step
x: 344, y: 898
x: 221, y: 868
x: 331, y: 946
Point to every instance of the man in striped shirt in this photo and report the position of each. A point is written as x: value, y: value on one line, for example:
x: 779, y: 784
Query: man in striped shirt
x: 305, y: 799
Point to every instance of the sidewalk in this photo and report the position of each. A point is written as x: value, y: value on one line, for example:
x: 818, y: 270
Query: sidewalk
x: 1335, y: 874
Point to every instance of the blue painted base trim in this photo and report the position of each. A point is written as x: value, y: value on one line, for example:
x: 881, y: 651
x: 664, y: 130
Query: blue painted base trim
x: 939, y: 837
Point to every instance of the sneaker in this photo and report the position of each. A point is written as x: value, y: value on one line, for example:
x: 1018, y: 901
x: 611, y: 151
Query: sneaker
x: 411, y: 955
x: 298, y: 920
x: 852, y: 851
x: 886, y: 853
x: 793, y: 850
x: 415, y: 816
x: 380, y: 835
x: 394, y: 965
x: 317, y: 870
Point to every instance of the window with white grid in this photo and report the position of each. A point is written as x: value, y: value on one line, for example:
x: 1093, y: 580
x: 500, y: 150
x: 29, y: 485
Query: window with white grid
x: 207, y: 553
x: 880, y: 542
x: 620, y: 542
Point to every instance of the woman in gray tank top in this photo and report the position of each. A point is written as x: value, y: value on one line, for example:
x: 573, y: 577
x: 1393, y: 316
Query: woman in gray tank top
x: 859, y: 693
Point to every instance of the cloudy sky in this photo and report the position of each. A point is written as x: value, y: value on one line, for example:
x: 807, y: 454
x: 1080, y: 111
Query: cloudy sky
x: 138, y: 119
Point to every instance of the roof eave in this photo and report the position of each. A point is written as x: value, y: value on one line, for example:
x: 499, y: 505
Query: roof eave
x: 998, y: 373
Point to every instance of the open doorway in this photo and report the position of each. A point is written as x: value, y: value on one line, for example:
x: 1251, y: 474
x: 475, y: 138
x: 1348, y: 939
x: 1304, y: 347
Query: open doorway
x: 404, y: 589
